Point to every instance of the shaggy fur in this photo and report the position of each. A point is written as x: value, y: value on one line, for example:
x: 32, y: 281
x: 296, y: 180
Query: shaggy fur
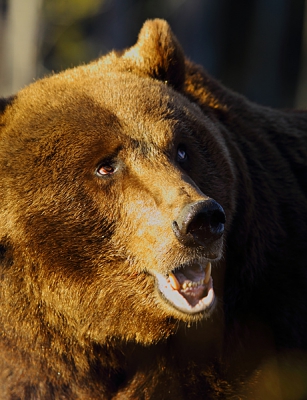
x: 96, y: 165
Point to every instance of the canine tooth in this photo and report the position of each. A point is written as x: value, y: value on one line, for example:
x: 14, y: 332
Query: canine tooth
x: 173, y: 281
x: 208, y: 273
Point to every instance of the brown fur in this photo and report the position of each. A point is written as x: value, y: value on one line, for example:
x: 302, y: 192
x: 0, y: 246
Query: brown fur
x: 81, y: 317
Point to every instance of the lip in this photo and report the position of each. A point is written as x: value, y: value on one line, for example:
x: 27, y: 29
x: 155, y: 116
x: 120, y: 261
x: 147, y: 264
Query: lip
x: 188, y: 288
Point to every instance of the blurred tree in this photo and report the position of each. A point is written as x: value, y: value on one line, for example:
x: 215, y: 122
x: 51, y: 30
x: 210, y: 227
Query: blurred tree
x: 66, y: 42
x: 19, y: 43
x: 301, y: 99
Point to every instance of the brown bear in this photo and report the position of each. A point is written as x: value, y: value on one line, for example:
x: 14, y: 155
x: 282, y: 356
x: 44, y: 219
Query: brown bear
x: 153, y: 230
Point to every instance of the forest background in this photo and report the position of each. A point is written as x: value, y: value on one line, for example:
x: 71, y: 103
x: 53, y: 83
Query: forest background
x: 255, y: 47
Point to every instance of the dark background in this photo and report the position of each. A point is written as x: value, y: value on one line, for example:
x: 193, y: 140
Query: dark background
x: 255, y: 47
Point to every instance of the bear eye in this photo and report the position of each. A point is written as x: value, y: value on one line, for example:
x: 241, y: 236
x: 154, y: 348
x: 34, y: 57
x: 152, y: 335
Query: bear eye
x: 182, y: 155
x: 105, y: 169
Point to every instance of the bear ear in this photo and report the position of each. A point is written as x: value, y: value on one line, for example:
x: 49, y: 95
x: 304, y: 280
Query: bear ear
x: 158, y: 54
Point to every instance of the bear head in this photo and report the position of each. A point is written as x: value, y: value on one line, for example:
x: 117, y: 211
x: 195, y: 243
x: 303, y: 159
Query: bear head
x: 115, y: 198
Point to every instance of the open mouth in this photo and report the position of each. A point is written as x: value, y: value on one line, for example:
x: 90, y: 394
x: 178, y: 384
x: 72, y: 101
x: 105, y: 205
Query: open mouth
x: 188, y: 288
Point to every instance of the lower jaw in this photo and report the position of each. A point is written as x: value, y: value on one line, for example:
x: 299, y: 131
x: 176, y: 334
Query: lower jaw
x: 189, y: 318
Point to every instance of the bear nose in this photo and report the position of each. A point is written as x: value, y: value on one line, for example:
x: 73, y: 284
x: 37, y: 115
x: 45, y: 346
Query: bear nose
x: 200, y: 223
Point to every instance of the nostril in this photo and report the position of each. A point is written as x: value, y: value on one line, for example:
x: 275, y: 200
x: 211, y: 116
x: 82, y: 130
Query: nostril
x: 199, y: 223
x: 207, y: 224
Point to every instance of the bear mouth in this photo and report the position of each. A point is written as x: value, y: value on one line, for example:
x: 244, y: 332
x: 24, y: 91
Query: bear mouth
x: 188, y: 288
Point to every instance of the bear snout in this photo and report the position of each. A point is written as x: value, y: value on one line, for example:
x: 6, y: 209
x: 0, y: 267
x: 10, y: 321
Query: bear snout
x: 200, y: 223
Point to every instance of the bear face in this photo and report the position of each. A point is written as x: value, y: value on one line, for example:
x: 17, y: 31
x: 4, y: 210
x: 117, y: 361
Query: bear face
x: 96, y: 182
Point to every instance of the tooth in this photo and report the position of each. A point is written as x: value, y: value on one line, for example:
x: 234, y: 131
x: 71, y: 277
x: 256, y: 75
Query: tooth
x: 208, y: 273
x: 184, y: 285
x: 173, y: 281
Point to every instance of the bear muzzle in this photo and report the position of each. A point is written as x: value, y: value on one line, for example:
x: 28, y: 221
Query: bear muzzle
x: 189, y: 287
